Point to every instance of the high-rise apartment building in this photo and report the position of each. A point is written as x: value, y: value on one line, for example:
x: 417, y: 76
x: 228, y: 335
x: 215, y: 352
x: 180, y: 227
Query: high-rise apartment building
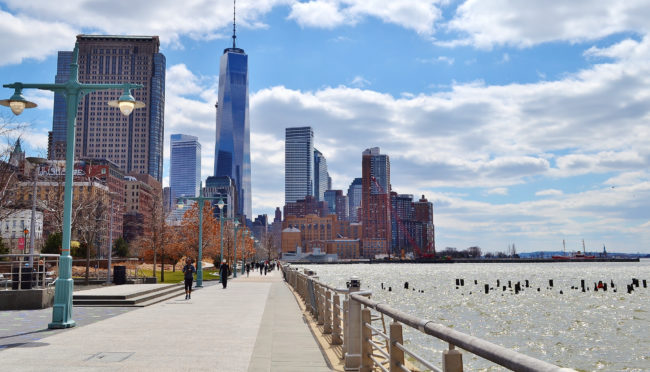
x: 321, y: 175
x: 354, y: 200
x: 298, y: 164
x: 134, y: 142
x: 375, y: 169
x: 185, y: 166
x: 412, y: 225
x: 232, y: 151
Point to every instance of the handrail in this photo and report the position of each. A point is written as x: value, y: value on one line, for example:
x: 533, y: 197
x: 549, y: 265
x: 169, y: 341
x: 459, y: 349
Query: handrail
x: 485, y: 349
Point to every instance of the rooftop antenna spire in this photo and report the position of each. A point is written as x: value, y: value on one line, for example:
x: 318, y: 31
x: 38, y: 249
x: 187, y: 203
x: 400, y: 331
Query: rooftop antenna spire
x: 234, y: 29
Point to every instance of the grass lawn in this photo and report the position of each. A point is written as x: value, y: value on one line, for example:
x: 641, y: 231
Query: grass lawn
x: 177, y: 276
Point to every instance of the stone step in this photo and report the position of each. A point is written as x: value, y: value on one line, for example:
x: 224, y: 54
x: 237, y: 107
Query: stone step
x: 139, y: 299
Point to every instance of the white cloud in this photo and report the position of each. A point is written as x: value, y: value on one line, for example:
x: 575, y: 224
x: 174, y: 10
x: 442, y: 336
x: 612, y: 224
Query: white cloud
x: 498, y: 191
x: 487, y: 23
x: 359, y: 82
x: 37, y: 29
x: 412, y: 14
x: 444, y: 59
x: 549, y: 192
x: 25, y: 37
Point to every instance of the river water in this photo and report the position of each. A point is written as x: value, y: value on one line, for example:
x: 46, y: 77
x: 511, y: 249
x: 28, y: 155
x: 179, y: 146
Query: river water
x: 588, y: 331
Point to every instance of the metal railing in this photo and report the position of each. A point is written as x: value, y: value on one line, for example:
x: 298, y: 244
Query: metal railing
x: 16, y: 274
x: 347, y: 314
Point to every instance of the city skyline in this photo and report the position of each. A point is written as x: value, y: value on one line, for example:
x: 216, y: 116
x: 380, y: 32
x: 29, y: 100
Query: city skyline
x: 518, y: 130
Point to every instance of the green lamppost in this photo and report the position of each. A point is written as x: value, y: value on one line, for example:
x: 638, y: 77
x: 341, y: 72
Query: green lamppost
x: 234, y: 261
x: 73, y: 91
x: 243, y: 252
x: 199, y: 199
x: 220, y: 205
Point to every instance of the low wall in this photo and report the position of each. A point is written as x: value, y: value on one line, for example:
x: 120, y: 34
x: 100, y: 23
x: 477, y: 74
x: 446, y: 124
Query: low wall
x: 27, y: 299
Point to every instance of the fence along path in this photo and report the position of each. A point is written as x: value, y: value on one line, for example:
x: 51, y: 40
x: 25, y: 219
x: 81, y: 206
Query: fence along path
x: 347, y: 315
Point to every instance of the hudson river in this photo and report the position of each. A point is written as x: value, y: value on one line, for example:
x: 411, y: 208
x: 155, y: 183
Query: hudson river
x: 589, y: 331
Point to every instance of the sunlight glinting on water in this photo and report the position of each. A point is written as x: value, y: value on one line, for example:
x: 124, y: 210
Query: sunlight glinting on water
x: 603, y: 330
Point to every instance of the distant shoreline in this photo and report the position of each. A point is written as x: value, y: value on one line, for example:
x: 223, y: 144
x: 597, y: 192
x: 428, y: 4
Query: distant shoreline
x: 468, y: 260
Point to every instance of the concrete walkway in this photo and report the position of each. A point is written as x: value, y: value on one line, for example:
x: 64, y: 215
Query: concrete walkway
x: 253, y: 325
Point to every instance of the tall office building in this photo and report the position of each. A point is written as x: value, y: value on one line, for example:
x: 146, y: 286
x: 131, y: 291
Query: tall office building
x: 185, y: 166
x: 320, y: 175
x: 298, y: 164
x: 232, y: 150
x: 354, y: 199
x: 375, y: 169
x: 57, y: 136
x: 134, y: 142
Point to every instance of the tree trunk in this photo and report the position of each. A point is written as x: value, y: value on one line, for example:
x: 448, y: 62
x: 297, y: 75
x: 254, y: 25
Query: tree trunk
x: 154, y: 262
x: 162, y: 263
x: 87, y: 264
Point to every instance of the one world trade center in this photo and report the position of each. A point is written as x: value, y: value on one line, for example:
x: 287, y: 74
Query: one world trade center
x: 232, y: 149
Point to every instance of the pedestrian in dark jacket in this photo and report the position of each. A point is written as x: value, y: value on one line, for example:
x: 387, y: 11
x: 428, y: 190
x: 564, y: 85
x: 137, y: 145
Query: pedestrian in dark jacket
x: 189, y: 271
x: 223, y: 273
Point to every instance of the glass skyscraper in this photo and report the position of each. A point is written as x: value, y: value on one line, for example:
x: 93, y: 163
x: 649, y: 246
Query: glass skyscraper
x: 354, y: 199
x: 321, y: 176
x: 232, y: 150
x: 134, y: 143
x: 185, y: 166
x: 298, y: 164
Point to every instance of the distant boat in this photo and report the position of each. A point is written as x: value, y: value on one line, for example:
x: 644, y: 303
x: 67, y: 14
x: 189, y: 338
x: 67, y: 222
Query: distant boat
x: 575, y: 255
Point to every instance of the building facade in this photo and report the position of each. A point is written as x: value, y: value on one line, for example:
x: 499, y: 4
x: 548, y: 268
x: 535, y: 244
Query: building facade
x: 354, y: 199
x: 134, y: 142
x: 376, y: 216
x: 232, y: 150
x: 184, y: 166
x: 298, y: 164
x: 224, y: 188
x: 306, y: 206
x: 321, y: 176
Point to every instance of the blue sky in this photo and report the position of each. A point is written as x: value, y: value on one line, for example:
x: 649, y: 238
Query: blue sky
x: 523, y: 122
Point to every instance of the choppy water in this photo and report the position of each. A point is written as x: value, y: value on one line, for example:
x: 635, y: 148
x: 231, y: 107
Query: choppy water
x: 589, y: 331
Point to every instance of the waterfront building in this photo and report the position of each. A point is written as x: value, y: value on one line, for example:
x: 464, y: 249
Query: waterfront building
x: 411, y: 225
x: 298, y: 164
x: 134, y: 143
x: 424, y: 215
x: 321, y: 176
x: 184, y: 166
x: 232, y: 150
x: 354, y: 199
x: 375, y: 169
x: 303, y: 207
x: 326, y: 234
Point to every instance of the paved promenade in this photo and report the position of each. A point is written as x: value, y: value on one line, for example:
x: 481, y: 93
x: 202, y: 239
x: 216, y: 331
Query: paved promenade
x: 253, y: 325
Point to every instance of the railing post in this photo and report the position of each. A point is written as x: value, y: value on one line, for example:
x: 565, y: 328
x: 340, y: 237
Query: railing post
x: 327, y: 326
x: 396, y: 354
x: 366, y: 347
x: 353, y: 329
x: 321, y: 307
x: 452, y: 360
x: 336, y: 321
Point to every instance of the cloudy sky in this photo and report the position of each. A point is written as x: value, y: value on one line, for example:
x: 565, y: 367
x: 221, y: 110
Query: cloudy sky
x: 524, y: 122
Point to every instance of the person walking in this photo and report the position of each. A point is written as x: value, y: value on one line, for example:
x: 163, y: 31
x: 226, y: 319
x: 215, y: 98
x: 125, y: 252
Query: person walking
x: 248, y: 270
x: 189, y: 271
x: 223, y: 273
x: 266, y: 267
